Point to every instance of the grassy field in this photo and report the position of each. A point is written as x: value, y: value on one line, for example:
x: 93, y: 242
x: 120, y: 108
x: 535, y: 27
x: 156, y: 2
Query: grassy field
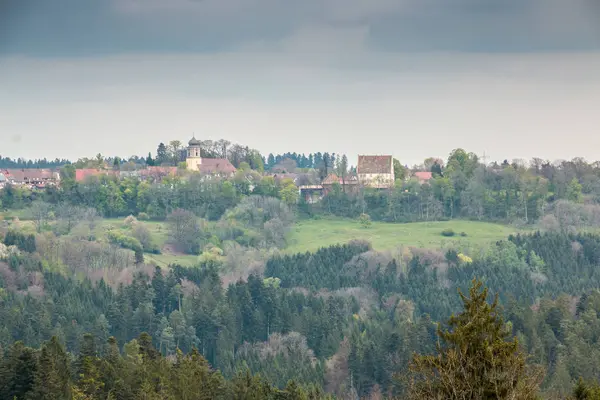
x: 312, y: 234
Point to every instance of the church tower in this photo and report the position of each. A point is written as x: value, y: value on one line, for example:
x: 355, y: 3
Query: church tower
x: 193, y: 159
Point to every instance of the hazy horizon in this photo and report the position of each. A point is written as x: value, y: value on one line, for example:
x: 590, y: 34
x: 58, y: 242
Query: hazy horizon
x: 411, y: 78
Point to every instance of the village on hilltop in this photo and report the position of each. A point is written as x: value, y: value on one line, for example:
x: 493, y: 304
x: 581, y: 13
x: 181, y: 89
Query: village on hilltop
x: 374, y: 171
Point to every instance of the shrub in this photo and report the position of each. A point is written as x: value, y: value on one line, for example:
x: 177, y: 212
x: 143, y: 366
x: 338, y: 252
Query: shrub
x: 141, y: 233
x: 463, y: 234
x: 364, y: 220
x: 127, y: 242
x: 448, y: 232
x: 464, y: 258
x: 130, y: 221
x: 143, y: 216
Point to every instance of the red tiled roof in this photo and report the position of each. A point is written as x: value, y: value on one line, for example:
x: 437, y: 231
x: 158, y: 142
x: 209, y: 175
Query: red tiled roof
x: 84, y: 173
x: 374, y: 165
x: 216, y: 166
x: 29, y: 174
x: 423, y: 175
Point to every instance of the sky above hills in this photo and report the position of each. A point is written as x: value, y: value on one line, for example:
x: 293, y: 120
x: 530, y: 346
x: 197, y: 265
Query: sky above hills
x: 415, y: 78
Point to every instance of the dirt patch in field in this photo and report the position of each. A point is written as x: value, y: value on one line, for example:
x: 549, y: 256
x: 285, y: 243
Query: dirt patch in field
x: 169, y: 249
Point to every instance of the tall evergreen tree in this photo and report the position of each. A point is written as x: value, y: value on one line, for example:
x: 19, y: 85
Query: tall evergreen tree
x: 477, y: 359
x: 52, y: 378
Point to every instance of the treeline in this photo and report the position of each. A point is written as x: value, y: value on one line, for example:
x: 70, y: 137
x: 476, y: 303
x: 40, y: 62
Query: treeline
x: 289, y: 162
x: 465, y: 188
x: 9, y: 163
x: 462, y: 188
x: 346, y: 318
x: 112, y: 197
x: 175, y: 151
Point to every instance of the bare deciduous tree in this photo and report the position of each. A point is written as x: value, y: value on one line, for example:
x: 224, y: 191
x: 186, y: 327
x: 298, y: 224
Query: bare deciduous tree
x: 40, y: 214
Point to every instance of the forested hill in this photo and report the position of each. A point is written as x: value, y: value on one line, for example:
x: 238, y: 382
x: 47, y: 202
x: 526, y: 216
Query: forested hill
x: 351, y: 331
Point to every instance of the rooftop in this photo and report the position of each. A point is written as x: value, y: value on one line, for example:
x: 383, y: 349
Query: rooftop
x: 216, y: 165
x: 374, y: 164
x: 194, y: 142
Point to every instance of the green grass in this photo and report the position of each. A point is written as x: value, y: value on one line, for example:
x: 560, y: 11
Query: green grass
x: 310, y: 235
x: 157, y: 229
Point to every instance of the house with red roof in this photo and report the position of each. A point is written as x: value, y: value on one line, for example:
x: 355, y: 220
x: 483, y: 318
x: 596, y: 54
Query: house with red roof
x: 83, y: 174
x: 31, y: 177
x: 423, y: 176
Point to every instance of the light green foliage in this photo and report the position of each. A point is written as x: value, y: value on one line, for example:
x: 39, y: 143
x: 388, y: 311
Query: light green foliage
x: 272, y: 282
x: 464, y: 258
x: 399, y: 171
x: 536, y: 262
x: 461, y: 161
x: 505, y: 254
x: 257, y: 221
x: 310, y: 235
x: 574, y: 191
x: 289, y: 192
x: 127, y: 242
x: 365, y: 220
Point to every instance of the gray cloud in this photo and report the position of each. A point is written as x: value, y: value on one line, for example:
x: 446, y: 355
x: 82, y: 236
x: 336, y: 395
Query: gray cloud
x: 68, y: 27
x: 413, y: 77
x: 414, y: 105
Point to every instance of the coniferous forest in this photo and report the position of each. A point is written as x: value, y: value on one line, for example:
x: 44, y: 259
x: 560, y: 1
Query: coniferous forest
x: 354, y: 331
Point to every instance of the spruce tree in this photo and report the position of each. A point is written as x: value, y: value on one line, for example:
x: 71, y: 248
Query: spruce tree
x: 52, y: 378
x: 476, y: 357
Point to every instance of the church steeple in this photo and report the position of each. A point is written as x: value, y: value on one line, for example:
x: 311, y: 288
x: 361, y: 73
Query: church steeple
x: 194, y: 158
x: 194, y: 142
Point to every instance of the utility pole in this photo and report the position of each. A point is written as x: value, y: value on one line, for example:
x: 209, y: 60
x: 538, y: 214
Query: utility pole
x: 484, y: 158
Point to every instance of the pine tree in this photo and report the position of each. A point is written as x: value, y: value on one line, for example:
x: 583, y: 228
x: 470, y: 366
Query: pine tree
x: 584, y: 391
x: 477, y: 359
x: 162, y: 154
x: 52, y: 378
x: 149, y: 160
x: 17, y: 372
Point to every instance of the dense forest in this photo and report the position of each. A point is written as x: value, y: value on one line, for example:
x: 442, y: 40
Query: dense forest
x: 346, y: 319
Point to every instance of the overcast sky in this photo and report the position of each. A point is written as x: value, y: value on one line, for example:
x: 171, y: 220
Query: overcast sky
x: 415, y: 78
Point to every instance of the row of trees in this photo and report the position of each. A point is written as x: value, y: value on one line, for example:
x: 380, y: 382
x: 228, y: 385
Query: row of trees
x: 175, y: 152
x: 465, y: 188
x: 7, y: 162
x: 112, y: 197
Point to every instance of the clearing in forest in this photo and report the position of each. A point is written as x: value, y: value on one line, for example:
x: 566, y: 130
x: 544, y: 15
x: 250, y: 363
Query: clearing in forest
x: 309, y: 235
